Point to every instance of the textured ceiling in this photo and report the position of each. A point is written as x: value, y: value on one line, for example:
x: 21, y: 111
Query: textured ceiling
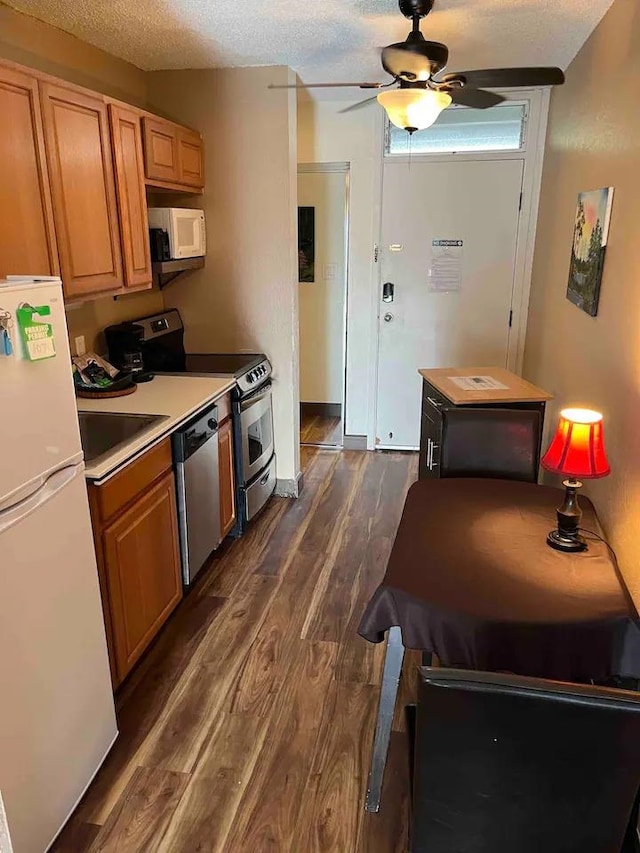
x: 321, y: 39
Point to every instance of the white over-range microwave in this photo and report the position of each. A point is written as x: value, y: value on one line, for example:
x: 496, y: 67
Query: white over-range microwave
x: 184, y: 230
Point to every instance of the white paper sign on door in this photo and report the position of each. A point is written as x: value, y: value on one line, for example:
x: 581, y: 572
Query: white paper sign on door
x: 445, y: 272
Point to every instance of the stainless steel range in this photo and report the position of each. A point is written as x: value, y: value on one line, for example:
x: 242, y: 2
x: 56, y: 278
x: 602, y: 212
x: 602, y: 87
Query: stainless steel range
x: 160, y: 339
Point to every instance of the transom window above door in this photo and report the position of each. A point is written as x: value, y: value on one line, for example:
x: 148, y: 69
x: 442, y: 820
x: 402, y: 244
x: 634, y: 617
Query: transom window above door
x: 462, y: 129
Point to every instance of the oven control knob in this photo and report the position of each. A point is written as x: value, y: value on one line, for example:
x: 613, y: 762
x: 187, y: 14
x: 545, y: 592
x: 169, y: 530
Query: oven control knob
x: 250, y: 377
x: 212, y: 423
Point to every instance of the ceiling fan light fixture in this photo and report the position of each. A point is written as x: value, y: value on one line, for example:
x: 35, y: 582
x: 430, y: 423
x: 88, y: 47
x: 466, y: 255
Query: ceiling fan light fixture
x: 413, y: 109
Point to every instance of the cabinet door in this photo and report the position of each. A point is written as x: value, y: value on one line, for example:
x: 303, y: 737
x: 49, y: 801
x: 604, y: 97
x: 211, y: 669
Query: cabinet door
x: 84, y: 200
x: 126, y: 139
x: 190, y: 158
x: 27, y: 236
x: 161, y: 150
x: 227, y: 484
x: 143, y: 571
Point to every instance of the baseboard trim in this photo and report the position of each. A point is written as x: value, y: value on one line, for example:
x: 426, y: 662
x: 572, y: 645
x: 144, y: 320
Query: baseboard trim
x: 355, y: 442
x: 290, y: 488
x: 327, y: 410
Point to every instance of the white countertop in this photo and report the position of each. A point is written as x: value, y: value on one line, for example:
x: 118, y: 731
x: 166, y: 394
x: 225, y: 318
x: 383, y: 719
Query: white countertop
x: 176, y: 397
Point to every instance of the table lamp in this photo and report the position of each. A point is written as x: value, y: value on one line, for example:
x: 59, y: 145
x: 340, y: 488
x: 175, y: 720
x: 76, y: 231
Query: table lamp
x: 576, y: 451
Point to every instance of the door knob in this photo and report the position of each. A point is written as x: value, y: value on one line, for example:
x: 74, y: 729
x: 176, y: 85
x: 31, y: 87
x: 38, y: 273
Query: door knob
x: 388, y: 317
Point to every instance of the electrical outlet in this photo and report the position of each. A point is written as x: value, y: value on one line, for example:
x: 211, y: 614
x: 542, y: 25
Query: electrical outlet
x: 80, y: 345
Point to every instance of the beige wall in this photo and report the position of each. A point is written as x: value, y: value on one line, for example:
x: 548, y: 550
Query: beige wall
x: 37, y: 45
x: 29, y: 41
x: 321, y: 302
x: 594, y: 141
x: 90, y: 318
x: 327, y: 135
x: 245, y: 298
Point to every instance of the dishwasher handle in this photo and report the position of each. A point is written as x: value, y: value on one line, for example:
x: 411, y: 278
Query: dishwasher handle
x: 195, y: 434
x: 194, y: 439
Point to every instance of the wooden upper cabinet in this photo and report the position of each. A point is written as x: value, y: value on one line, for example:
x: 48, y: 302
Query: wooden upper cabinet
x: 27, y: 235
x: 128, y: 161
x: 173, y: 154
x: 161, y: 150
x: 190, y: 158
x: 78, y: 146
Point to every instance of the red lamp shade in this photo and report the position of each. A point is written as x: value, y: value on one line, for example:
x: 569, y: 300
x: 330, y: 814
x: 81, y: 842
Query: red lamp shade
x: 577, y: 448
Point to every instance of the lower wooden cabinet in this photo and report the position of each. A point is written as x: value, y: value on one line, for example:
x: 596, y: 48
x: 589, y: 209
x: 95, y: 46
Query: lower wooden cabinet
x: 227, y: 488
x: 143, y: 571
x: 136, y: 535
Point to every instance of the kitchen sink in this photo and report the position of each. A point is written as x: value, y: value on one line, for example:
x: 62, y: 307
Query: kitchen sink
x: 103, y: 432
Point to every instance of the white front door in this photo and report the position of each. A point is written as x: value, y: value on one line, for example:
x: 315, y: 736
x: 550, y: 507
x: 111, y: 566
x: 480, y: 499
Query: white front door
x: 447, y: 257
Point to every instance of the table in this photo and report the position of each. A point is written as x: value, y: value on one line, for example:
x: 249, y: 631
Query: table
x: 471, y: 579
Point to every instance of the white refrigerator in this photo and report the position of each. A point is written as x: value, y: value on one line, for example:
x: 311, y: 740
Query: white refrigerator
x: 57, y: 718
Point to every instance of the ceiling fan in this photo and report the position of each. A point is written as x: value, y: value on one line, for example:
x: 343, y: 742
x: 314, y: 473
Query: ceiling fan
x: 421, y: 91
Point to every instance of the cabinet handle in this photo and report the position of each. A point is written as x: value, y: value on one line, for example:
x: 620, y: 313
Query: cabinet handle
x: 433, y: 464
x: 429, y: 451
x: 433, y: 402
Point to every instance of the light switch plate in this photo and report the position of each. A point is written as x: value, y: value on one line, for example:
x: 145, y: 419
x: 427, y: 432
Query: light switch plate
x: 80, y: 345
x: 330, y: 271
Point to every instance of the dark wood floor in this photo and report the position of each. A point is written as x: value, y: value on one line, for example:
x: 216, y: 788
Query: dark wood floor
x: 248, y: 726
x: 320, y: 429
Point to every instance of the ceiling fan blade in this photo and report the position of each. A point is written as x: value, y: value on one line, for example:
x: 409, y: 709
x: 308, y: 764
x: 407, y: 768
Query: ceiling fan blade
x: 493, y: 78
x: 326, y: 85
x: 359, y: 105
x: 479, y: 99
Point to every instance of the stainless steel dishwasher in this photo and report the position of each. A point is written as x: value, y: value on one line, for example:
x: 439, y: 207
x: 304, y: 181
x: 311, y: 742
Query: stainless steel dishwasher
x: 195, y: 455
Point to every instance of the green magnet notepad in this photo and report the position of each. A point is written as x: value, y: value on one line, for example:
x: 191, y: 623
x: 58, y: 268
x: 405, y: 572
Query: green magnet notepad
x: 35, y: 332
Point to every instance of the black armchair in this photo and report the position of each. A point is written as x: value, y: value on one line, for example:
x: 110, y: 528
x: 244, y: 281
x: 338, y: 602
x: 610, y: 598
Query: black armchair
x: 505, y: 764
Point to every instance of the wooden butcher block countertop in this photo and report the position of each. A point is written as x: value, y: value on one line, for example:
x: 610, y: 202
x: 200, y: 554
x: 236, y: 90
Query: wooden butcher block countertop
x: 517, y: 390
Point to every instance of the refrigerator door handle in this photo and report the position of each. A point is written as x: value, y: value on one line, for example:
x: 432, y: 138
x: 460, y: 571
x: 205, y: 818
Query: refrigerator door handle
x: 52, y: 485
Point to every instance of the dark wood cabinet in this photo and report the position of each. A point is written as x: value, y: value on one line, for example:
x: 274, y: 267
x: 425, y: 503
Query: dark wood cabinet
x: 27, y: 234
x: 128, y: 161
x: 78, y: 145
x: 499, y: 440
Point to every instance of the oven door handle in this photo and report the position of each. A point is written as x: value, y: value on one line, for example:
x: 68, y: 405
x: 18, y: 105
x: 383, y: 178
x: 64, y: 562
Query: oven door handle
x: 254, y: 398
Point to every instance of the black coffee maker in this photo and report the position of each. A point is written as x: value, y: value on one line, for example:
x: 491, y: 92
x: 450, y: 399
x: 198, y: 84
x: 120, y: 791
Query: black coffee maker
x: 124, y: 342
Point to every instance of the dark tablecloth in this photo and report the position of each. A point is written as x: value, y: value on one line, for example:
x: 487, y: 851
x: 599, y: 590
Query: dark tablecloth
x: 471, y: 578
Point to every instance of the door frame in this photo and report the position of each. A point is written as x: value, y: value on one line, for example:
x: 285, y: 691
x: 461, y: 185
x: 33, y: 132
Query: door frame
x: 532, y: 155
x: 345, y: 169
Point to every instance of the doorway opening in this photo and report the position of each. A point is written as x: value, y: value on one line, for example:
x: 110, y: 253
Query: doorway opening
x: 323, y: 228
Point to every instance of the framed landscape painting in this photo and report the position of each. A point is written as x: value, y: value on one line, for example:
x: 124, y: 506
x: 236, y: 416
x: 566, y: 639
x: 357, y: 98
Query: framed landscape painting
x: 306, y: 243
x: 589, y: 244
